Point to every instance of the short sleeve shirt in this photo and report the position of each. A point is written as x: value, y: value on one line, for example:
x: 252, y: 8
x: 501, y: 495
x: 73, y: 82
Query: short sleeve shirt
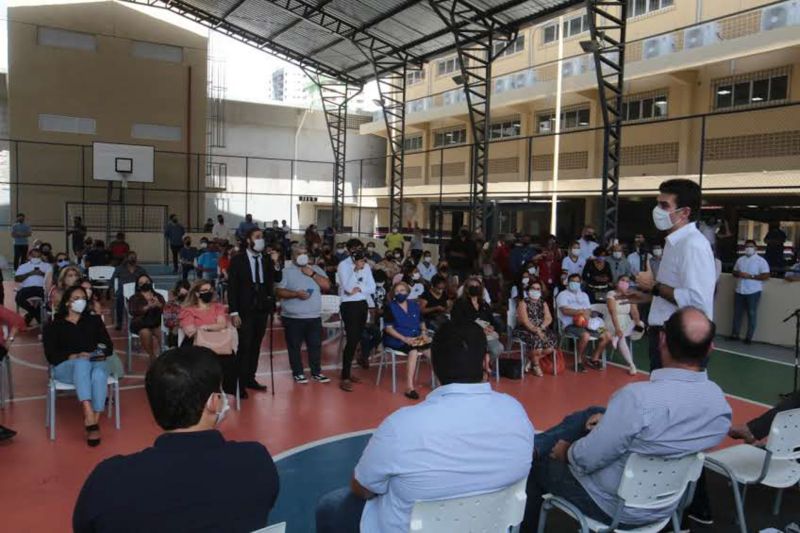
x: 572, y: 300
x: 754, y: 265
x: 294, y: 280
x: 33, y: 281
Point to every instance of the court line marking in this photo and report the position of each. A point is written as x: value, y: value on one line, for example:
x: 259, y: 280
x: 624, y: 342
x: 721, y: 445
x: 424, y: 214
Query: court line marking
x: 757, y: 357
x: 320, y: 442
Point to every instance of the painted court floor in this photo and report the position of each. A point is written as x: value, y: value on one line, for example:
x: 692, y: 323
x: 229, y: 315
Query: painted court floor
x: 41, y: 478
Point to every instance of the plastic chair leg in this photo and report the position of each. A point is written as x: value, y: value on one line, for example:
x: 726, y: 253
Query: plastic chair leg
x: 738, y: 499
x: 394, y: 373
x: 380, y: 367
x: 776, y: 507
x: 52, y: 413
x: 522, y: 350
x: 238, y: 399
x: 117, y: 422
x: 545, y: 509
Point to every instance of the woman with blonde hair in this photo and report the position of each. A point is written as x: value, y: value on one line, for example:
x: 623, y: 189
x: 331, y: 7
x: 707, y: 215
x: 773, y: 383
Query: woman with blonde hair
x: 204, y: 322
x: 69, y: 276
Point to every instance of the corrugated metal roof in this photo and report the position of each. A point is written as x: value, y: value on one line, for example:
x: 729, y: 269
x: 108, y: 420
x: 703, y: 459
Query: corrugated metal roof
x: 320, y: 34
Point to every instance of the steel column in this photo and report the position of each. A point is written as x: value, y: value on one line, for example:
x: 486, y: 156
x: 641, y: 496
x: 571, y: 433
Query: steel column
x: 607, y: 21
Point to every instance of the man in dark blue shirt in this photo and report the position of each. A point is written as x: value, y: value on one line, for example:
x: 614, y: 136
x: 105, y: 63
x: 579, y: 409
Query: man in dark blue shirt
x: 192, y: 479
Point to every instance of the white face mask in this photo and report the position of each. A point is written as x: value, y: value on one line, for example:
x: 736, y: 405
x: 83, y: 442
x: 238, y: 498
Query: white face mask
x: 525, y: 281
x: 426, y: 259
x: 662, y: 219
x: 258, y: 245
x: 617, y: 255
x: 395, y: 230
x: 415, y: 276
x: 302, y: 260
x: 534, y: 294
x: 657, y: 252
x: 78, y: 306
x: 575, y: 252
x: 575, y: 286
x: 749, y: 251
x: 36, y: 260
x: 223, y: 412
x: 532, y: 271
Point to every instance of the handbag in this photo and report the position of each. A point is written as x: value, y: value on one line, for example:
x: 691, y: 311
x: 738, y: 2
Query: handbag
x: 223, y: 342
x: 510, y: 368
x: 546, y: 363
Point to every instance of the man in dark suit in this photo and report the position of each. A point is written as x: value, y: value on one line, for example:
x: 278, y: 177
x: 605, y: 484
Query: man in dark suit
x: 191, y: 479
x: 251, y: 287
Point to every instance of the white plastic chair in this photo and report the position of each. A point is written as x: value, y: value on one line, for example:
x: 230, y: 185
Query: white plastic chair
x: 54, y: 387
x: 100, y: 276
x: 330, y: 306
x: 393, y: 355
x: 490, y: 512
x: 563, y: 336
x: 181, y: 336
x: 511, y: 323
x: 128, y: 290
x: 647, y: 483
x: 275, y: 528
x: 775, y: 465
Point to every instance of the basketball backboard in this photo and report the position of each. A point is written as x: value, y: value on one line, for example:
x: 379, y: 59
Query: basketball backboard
x: 123, y: 162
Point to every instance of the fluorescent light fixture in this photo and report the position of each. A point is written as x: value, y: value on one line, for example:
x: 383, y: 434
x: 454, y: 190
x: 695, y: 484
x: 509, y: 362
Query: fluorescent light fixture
x: 757, y: 99
x: 661, y: 102
x: 724, y: 92
x: 583, y: 123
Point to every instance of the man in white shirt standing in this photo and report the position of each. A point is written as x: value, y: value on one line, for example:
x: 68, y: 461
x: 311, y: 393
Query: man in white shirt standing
x: 30, y: 277
x: 750, y: 271
x: 356, y: 285
x: 463, y: 439
x: 220, y: 231
x: 588, y: 243
x: 687, y: 274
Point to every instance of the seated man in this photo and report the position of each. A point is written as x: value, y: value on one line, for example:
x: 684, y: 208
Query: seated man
x: 192, y: 479
x: 463, y: 439
x: 574, y: 302
x: 678, y: 412
x: 30, y: 277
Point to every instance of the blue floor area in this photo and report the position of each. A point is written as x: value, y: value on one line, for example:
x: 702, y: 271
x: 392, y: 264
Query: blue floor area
x: 309, y: 474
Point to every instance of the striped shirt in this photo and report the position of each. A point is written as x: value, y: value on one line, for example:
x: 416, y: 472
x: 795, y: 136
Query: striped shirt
x: 676, y: 413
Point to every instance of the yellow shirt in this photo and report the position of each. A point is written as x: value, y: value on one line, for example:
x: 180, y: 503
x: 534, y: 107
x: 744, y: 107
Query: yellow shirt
x: 394, y: 240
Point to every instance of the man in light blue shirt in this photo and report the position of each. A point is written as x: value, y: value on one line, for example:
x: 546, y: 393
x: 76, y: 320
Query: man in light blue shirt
x: 678, y: 412
x: 463, y: 439
x: 20, y: 232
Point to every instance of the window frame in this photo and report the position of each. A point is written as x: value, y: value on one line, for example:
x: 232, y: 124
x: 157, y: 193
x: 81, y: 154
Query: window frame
x: 727, y: 100
x: 573, y: 115
x: 441, y: 134
x: 414, y: 138
x: 456, y: 62
x: 553, y: 27
x: 503, y: 125
x: 514, y: 48
x: 650, y: 6
x: 640, y: 101
x: 415, y: 76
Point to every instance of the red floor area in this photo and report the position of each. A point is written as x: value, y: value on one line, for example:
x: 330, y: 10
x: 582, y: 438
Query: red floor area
x: 40, y: 479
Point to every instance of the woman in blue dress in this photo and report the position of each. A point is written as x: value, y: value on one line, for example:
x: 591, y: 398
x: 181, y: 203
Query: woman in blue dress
x: 404, y: 331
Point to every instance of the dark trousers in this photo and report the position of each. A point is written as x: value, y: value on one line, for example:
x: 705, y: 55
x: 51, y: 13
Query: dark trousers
x: 745, y: 303
x: 297, y: 331
x: 230, y: 371
x: 570, y: 429
x: 20, y: 254
x: 354, y: 315
x: 119, y: 302
x: 175, y: 251
x: 339, y: 511
x: 35, y: 311
x: 655, y: 354
x: 185, y: 269
x: 759, y: 427
x: 251, y: 333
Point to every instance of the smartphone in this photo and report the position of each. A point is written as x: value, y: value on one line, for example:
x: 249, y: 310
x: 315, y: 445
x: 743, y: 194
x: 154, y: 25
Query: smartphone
x: 310, y: 291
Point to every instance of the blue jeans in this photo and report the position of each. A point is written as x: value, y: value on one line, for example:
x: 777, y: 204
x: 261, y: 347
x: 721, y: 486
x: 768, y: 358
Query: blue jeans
x: 90, y: 379
x: 570, y: 429
x: 298, y: 330
x: 742, y: 303
x: 339, y: 511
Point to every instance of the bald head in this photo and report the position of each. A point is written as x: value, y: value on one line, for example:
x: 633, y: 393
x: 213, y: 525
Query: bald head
x: 687, y: 337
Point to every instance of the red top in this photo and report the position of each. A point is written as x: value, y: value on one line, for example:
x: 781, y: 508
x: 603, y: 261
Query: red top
x: 501, y: 259
x: 10, y: 319
x: 224, y: 262
x: 193, y: 317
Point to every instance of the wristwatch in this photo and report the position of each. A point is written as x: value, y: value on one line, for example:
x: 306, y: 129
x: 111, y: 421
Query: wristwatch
x: 656, y: 291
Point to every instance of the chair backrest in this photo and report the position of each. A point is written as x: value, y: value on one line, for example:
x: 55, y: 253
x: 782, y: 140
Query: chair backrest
x: 275, y: 528
x: 651, y: 482
x: 101, y: 273
x: 784, y: 435
x: 128, y: 289
x: 164, y: 294
x: 330, y: 304
x: 493, y: 511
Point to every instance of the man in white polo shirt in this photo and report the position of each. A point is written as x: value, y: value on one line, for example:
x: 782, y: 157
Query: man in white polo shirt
x: 463, y: 439
x: 30, y: 277
x: 687, y: 274
x: 750, y: 271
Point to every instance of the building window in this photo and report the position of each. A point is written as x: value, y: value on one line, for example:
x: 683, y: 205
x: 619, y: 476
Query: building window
x: 278, y: 85
x: 65, y: 124
x: 645, y: 107
x: 505, y: 129
x: 414, y: 76
x: 449, y: 137
x: 156, y: 132
x: 517, y: 46
x: 159, y: 52
x: 570, y: 119
x: 641, y: 7
x: 66, y: 39
x: 412, y: 144
x: 756, y: 89
x: 572, y: 26
x: 448, y: 66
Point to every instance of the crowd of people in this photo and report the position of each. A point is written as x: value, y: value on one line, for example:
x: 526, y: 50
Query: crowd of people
x: 464, y: 438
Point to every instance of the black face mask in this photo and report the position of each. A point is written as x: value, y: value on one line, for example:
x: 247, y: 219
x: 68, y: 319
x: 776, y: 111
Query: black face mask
x: 206, y: 297
x: 132, y: 260
x: 181, y: 297
x: 146, y: 287
x: 591, y: 237
x: 474, y: 290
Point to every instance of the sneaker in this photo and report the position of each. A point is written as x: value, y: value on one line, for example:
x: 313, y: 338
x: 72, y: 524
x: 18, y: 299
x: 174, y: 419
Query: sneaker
x: 300, y: 378
x: 320, y: 378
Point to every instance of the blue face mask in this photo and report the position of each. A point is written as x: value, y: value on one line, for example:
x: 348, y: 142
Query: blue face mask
x: 63, y: 263
x: 400, y: 297
x: 575, y: 286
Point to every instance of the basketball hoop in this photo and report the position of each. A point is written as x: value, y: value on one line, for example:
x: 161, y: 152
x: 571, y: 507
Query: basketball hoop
x: 124, y: 180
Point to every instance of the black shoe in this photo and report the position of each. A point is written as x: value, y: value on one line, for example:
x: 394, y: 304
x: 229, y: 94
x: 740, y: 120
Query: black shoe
x: 243, y: 393
x: 320, y: 378
x: 581, y: 368
x: 255, y: 385
x: 300, y: 378
x: 748, y: 341
x: 28, y: 319
x: 734, y: 338
x: 6, y: 433
x: 412, y: 395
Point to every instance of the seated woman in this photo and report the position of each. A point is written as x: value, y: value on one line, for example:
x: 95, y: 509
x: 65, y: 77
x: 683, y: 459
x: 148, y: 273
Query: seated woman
x: 76, y: 344
x: 93, y: 305
x: 172, y: 310
x: 146, y: 307
x: 621, y: 318
x: 435, y: 303
x: 51, y: 278
x: 597, y: 275
x: 521, y: 285
x: 533, y: 326
x: 472, y: 307
x: 204, y: 322
x: 405, y: 331
x: 412, y: 277
x: 68, y: 276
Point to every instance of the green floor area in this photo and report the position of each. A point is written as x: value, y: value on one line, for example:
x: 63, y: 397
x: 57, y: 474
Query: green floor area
x: 754, y: 379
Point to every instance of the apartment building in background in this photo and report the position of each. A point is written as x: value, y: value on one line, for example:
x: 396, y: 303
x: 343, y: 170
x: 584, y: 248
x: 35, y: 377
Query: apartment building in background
x: 683, y: 58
